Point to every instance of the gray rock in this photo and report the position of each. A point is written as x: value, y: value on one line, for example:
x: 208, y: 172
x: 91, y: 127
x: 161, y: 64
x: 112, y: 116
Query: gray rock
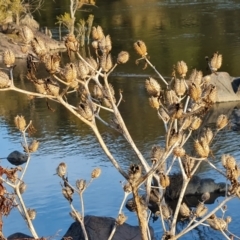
x: 19, y: 235
x: 99, y: 228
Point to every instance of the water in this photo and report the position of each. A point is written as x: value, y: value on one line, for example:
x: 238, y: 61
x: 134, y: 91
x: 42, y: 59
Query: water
x: 172, y: 31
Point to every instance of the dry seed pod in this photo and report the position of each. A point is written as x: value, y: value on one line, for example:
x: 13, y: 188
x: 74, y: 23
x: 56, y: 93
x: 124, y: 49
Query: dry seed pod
x: 196, y: 77
x: 154, y: 102
x: 134, y: 173
x: 170, y: 97
x: 156, y: 153
x: 188, y: 164
x: 67, y: 193
x: 96, y: 173
x: 94, y: 33
x: 174, y: 137
x: 106, y: 103
x: 52, y: 87
x: 216, y: 61
x: 8, y: 58
x: 20, y: 122
x: 228, y: 161
x: 205, y: 196
x: 52, y: 63
x: 175, y: 110
x: 208, y: 135
x: 140, y: 48
x: 210, y: 95
x: 108, y: 43
x: 61, y: 169
x: 76, y: 215
x: 4, y: 80
x: 71, y: 43
x: 179, y: 151
x: 22, y: 187
x: 33, y: 147
x: 102, y: 45
x: 217, y: 223
x: 195, y: 91
x: 100, y: 32
x: 164, y: 180
x: 40, y: 85
x: 81, y: 184
x: 228, y: 219
x: 182, y: 68
x: 196, y: 122
x: 127, y: 188
x: 166, y: 212
x: 31, y: 213
x: 123, y: 57
x: 95, y: 44
x: 201, y: 210
x: 85, y: 111
x: 38, y: 46
x: 163, y: 115
x: 121, y: 219
x: 200, y: 150
x: 184, y: 210
x: 97, y: 92
x: 153, y: 87
x: 26, y: 34
x: 222, y: 122
x: 70, y: 72
x: 180, y: 87
x: 187, y: 122
x: 92, y: 62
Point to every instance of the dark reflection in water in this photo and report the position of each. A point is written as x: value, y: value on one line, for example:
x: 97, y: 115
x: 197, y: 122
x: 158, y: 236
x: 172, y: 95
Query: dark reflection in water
x: 172, y: 30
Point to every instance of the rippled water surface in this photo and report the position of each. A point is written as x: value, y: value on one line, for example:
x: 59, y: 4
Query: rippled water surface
x: 173, y: 31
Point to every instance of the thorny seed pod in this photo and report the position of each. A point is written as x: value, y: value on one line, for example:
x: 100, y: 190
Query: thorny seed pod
x: 31, y: 213
x: 166, y: 212
x: 216, y: 61
x: 164, y: 180
x: 71, y: 43
x: 134, y: 173
x: 195, y: 91
x: 182, y: 68
x: 100, y: 32
x: 156, y: 153
x: 201, y: 210
x: 106, y: 103
x: 153, y: 87
x: 22, y: 187
x: 154, y: 102
x: 75, y: 215
x: 175, y: 110
x: 8, y: 58
x: 95, y: 44
x: 180, y: 87
x: 40, y: 85
x: 206, y: 79
x: 208, y: 135
x: 81, y: 184
x: 140, y: 48
x: 174, y: 137
x: 123, y: 57
x: 179, y: 151
x: 94, y: 33
x: 196, y: 122
x: 52, y: 62
x: 121, y: 219
x: 184, y: 210
x: 217, y: 223
x: 222, y: 122
x: 196, y: 77
x: 188, y: 164
x: 102, y: 45
x: 228, y: 161
x: 97, y: 92
x: 205, y: 196
x: 20, y: 122
x: 4, y: 80
x: 228, y: 219
x: 67, y: 193
x: 38, y: 46
x: 127, y: 188
x: 170, y: 97
x: 109, y: 63
x: 33, y: 147
x: 96, y: 173
x: 27, y: 34
x: 108, y: 44
x: 70, y: 72
x: 93, y: 63
x: 85, y: 111
x: 61, y: 169
x: 210, y: 95
x: 201, y: 151
x: 163, y: 115
x: 52, y: 87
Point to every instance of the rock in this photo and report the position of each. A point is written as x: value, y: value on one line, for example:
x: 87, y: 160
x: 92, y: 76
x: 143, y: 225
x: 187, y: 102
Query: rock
x: 99, y: 228
x: 19, y: 235
x: 17, y: 158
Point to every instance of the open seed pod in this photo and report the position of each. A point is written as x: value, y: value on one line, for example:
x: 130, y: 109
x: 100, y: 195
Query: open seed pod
x: 182, y: 68
x: 217, y: 223
x: 97, y: 92
x: 196, y: 77
x: 52, y: 87
x: 140, y: 48
x: 20, y: 122
x: 70, y: 72
x: 71, y: 43
x: 100, y: 33
x: 200, y: 150
x: 184, y: 210
x: 201, y: 210
x: 210, y: 94
x: 61, y: 169
x: 22, y: 187
x: 196, y: 123
x: 67, y: 193
x: 106, y: 62
x: 153, y: 87
x: 180, y: 87
x: 170, y: 97
x: 81, y: 184
x: 40, y: 85
x: 228, y: 161
x: 216, y: 61
x: 134, y: 173
x: 179, y: 151
x: 188, y: 164
x: 164, y: 180
x: 33, y: 147
x: 52, y: 62
x: 8, y: 58
x: 39, y: 46
x: 157, y: 153
x: 222, y: 122
x: 85, y: 111
x: 195, y: 91
x: 4, y: 80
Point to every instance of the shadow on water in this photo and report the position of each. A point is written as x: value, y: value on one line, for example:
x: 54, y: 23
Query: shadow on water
x: 173, y: 31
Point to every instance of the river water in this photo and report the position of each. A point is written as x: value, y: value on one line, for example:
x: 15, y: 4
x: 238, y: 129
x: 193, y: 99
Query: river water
x: 172, y: 31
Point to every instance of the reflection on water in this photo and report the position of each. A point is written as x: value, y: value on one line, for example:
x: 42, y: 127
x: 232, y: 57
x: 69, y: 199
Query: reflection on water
x: 172, y: 30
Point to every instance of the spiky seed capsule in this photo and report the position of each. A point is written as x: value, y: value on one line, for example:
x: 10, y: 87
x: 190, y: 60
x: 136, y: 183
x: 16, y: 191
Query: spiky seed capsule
x: 20, y: 122
x: 196, y: 77
x: 196, y: 122
x: 134, y: 173
x: 22, y: 187
x: 71, y: 43
x: 52, y: 62
x: 31, y: 213
x: 4, y: 80
x: 70, y: 72
x: 93, y: 63
x: 140, y: 48
x: 96, y: 173
x: 33, y: 147
x: 95, y: 44
x: 153, y: 87
x: 81, y: 184
x: 76, y: 215
x: 156, y: 153
x: 100, y: 32
x: 154, y: 102
x: 121, y: 219
x: 8, y: 58
x: 97, y: 92
x: 182, y: 68
x: 164, y: 180
x: 85, y: 111
x: 127, y: 188
x: 201, y: 151
x: 166, y: 212
x: 179, y: 87
x: 217, y: 223
x: 61, y: 169
x: 201, y: 210
x: 175, y: 137
x: 216, y: 61
x: 210, y: 94
x: 170, y: 97
x: 228, y: 161
x: 52, y: 87
x: 67, y: 193
x: 195, y: 91
x: 187, y: 122
x: 108, y: 43
x: 206, y: 79
x: 27, y: 34
x: 205, y: 197
x: 123, y: 57
x: 222, y: 121
x: 208, y: 135
x: 38, y: 46
x: 94, y: 33
x: 179, y: 151
x: 184, y: 210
